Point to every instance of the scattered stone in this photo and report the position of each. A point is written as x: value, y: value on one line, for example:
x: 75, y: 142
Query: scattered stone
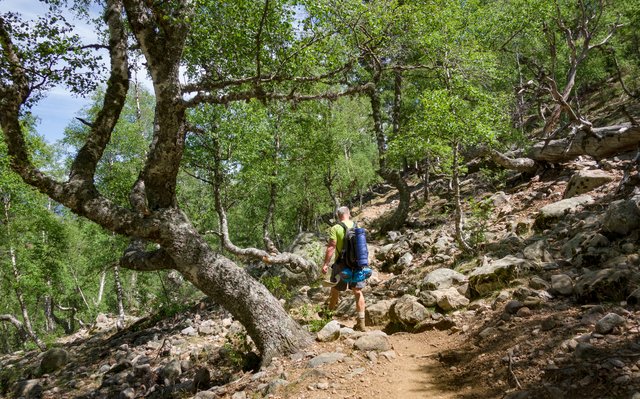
x: 524, y: 312
x: 53, y: 360
x: 538, y: 283
x: 128, y: 393
x: 171, y: 372
x: 548, y: 324
x: 443, y: 278
x: 325, y: 358
x: 28, y: 389
x: 622, y: 216
x: 552, y: 212
x: 408, y: 312
x: 373, y: 342
x: 562, y: 284
x: 330, y: 332
x: 494, y: 275
x: 450, y: 299
x: 190, y: 331
x: 513, y: 306
x: 608, y: 323
x: 378, y: 313
x: 585, y: 180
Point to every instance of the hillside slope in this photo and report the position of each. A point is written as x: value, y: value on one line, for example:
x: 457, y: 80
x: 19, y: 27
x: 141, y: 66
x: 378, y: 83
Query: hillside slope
x: 545, y: 308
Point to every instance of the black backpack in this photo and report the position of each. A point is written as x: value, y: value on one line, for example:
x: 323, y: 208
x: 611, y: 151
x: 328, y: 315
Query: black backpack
x: 348, y: 255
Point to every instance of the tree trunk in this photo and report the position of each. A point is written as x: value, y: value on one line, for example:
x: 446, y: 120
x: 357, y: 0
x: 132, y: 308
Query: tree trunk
x: 184, y: 250
x: 599, y: 143
x: 455, y: 182
x: 392, y: 177
x: 119, y: 296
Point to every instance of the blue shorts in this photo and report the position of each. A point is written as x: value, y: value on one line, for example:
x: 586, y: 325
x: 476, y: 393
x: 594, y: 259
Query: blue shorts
x: 336, y: 268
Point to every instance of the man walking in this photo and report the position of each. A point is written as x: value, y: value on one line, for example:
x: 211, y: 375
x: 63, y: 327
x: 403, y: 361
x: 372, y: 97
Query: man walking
x: 336, y: 239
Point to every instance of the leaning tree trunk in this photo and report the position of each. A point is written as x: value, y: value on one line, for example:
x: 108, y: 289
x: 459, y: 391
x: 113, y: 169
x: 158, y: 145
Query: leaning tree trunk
x: 598, y: 143
x: 185, y: 250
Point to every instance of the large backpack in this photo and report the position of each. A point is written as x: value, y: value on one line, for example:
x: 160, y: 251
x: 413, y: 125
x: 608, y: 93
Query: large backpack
x: 354, y: 254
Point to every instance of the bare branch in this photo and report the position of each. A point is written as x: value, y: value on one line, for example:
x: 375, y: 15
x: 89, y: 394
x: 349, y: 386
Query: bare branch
x: 291, y: 96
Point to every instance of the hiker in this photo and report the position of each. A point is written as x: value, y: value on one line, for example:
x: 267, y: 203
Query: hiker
x: 336, y: 237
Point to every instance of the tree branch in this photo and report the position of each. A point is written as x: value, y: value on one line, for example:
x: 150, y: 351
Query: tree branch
x: 85, y: 163
x: 135, y: 257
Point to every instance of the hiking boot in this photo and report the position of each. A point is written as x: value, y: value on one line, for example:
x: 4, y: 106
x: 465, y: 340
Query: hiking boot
x: 359, y: 325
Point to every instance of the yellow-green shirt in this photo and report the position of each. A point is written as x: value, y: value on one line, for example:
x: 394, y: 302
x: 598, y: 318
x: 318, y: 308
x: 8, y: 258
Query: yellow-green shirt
x: 336, y: 233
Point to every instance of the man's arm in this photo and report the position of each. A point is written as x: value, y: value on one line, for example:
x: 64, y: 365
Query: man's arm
x: 331, y: 249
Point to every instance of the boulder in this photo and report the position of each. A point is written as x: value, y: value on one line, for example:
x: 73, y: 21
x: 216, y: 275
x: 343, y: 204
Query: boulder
x: 53, y: 360
x: 584, y: 181
x: 443, y: 278
x: 622, y: 216
x: 373, y: 342
x: 497, y: 274
x: 330, y: 332
x: 537, y: 252
x: 378, y: 313
x: 610, y: 284
x: 450, y: 299
x: 562, y: 284
x: 28, y: 389
x: 608, y: 323
x: 403, y: 263
x: 408, y: 312
x: 552, y: 212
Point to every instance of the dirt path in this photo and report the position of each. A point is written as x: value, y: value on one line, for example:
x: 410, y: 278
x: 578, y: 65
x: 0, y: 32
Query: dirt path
x: 414, y: 372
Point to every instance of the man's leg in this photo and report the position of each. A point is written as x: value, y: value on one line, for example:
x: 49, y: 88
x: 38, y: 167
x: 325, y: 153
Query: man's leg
x: 359, y: 297
x: 333, y: 298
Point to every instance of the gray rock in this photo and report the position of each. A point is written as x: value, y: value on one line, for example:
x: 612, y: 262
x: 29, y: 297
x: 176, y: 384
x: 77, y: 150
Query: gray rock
x: 190, y: 331
x: 275, y: 384
x: 494, y: 275
x: 538, y: 283
x: 53, y: 360
x: 408, y: 312
x: 28, y: 389
x: 330, y: 332
x: 622, y: 216
x: 373, y: 342
x: 443, y: 278
x: 378, y: 313
x: 239, y: 395
x: 537, y: 251
x: 128, y: 393
x: 171, y: 372
x: 450, y: 299
x: 562, y: 207
x: 562, y: 284
x: 403, y: 263
x: 552, y: 212
x: 604, y: 285
x: 584, y: 181
x: 608, y: 323
x: 428, y: 299
x: 325, y: 358
x: 513, y: 306
x: 440, y: 324
x: 202, y: 379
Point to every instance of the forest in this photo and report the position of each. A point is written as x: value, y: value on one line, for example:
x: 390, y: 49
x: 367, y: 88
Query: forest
x: 264, y: 117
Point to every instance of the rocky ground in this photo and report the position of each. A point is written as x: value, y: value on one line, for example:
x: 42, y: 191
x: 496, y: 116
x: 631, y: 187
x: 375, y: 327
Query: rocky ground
x: 546, y: 308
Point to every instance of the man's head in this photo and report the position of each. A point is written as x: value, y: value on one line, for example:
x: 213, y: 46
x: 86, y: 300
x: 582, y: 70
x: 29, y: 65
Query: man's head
x: 343, y: 213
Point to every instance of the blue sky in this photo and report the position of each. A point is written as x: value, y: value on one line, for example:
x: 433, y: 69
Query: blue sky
x: 59, y: 107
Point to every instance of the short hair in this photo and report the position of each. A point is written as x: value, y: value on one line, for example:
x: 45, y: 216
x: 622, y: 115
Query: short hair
x: 343, y: 211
